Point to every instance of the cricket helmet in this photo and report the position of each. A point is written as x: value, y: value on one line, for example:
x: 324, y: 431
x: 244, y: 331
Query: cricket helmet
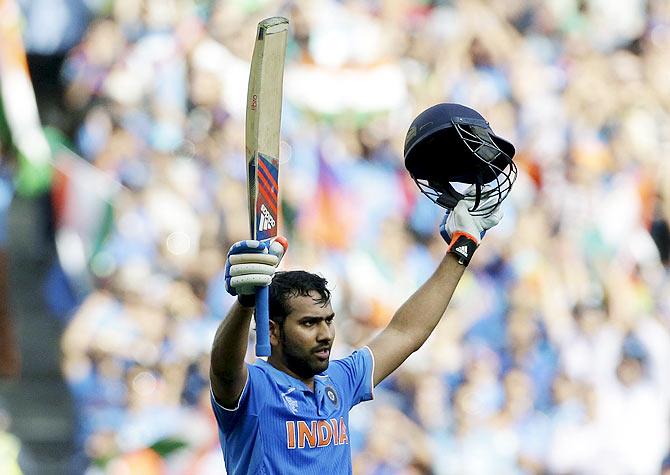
x: 450, y: 147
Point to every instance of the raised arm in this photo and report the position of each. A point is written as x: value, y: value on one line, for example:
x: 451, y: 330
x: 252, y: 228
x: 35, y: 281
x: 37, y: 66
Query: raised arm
x: 228, y: 373
x: 416, y: 319
x: 249, y: 265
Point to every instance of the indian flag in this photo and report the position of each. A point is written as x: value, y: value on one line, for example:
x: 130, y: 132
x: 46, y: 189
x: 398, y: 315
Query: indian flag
x: 18, y: 108
x: 83, y: 197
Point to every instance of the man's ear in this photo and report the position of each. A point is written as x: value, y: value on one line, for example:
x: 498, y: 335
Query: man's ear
x: 274, y: 333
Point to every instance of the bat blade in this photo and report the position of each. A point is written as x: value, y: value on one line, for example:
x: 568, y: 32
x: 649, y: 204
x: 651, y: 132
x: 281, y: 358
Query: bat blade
x: 267, y: 182
x: 263, y: 123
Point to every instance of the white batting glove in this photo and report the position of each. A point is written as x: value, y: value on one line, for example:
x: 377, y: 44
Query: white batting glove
x: 251, y: 264
x: 463, y: 232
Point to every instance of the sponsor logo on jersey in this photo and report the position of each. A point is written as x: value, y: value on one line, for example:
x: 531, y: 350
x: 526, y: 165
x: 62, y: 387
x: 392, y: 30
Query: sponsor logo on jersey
x: 290, y: 403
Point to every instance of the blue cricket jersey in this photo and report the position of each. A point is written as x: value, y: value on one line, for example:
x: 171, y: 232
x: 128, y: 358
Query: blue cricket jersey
x: 281, y: 427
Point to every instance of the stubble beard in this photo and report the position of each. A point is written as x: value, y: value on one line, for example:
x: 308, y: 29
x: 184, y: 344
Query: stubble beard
x: 304, y: 364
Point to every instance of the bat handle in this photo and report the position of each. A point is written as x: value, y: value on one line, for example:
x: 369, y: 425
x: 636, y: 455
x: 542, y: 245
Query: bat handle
x: 262, y: 322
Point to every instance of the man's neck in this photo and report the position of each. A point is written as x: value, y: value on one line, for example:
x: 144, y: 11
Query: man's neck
x: 277, y: 363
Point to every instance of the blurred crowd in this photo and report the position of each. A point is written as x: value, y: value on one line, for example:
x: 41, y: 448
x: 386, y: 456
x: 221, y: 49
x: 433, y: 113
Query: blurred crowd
x: 554, y: 355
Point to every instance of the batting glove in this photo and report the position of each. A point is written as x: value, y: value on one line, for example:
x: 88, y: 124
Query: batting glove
x: 251, y: 264
x: 463, y: 232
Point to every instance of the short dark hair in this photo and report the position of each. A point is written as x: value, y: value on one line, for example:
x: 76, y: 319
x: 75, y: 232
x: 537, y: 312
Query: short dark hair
x: 296, y: 283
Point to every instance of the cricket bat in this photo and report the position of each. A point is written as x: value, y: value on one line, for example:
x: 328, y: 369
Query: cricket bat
x: 263, y: 121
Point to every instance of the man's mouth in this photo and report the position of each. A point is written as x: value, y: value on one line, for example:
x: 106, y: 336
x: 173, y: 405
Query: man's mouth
x: 322, y: 353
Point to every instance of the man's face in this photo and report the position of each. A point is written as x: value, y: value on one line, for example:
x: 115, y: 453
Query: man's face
x: 303, y: 342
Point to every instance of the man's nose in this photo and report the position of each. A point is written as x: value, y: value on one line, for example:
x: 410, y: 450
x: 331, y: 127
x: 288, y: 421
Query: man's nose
x: 325, y: 332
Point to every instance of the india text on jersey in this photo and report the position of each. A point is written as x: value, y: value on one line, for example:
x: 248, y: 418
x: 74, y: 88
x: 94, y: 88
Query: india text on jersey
x: 301, y: 434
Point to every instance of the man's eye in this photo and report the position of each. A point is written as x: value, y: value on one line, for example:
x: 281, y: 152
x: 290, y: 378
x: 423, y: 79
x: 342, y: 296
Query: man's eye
x: 329, y: 321
x: 308, y: 323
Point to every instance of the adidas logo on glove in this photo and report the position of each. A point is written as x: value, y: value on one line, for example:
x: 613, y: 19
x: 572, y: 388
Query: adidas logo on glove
x: 463, y: 250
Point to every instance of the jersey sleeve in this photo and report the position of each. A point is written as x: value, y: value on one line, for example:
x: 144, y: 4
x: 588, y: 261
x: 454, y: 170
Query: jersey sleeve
x: 353, y: 375
x: 249, y: 404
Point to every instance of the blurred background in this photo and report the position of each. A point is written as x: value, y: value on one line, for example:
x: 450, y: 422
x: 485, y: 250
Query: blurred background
x: 122, y: 187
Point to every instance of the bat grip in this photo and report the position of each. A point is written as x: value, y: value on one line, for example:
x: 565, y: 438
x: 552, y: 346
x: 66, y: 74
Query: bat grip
x: 262, y: 322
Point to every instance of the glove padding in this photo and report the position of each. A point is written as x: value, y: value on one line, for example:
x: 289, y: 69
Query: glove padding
x: 463, y: 232
x: 251, y: 264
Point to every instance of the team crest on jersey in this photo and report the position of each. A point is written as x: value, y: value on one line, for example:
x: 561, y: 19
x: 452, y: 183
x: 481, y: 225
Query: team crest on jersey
x: 290, y: 403
x: 331, y: 394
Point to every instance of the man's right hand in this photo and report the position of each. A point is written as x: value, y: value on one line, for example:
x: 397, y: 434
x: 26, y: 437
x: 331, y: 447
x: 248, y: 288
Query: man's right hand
x: 251, y: 264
